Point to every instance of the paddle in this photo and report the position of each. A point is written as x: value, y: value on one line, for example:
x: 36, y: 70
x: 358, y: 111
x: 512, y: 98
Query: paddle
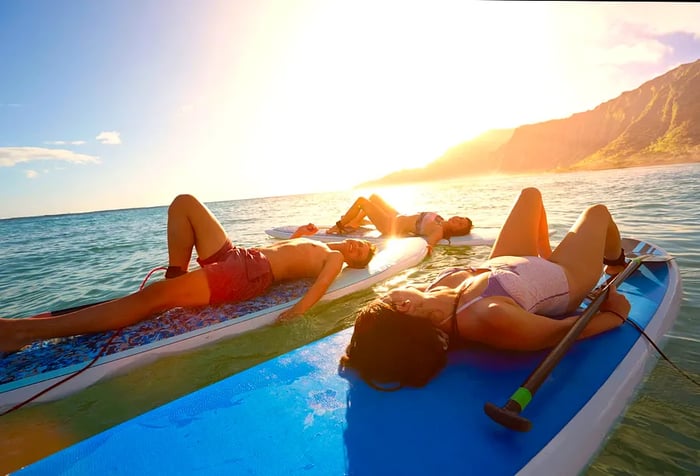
x: 509, y: 415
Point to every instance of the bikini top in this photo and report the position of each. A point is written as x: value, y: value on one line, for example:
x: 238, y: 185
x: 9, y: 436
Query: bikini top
x: 493, y: 288
x: 423, y: 219
x: 454, y: 329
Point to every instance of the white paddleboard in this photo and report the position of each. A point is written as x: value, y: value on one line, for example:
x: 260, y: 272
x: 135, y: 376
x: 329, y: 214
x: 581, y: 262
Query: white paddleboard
x: 36, y: 367
x: 478, y: 236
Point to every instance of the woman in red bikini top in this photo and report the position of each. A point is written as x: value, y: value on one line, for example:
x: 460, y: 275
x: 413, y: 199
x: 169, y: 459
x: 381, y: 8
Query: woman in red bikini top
x: 391, y: 223
x: 522, y: 298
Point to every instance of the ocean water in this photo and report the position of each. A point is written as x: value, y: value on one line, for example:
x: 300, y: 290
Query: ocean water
x: 55, y: 262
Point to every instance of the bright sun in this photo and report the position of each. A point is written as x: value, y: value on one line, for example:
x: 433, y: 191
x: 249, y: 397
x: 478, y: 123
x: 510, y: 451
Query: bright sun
x: 328, y: 106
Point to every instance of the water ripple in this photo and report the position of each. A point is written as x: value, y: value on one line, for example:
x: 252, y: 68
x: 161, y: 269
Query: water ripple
x: 60, y: 261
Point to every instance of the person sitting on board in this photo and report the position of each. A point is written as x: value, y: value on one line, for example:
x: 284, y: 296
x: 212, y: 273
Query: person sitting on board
x: 227, y: 273
x: 391, y: 223
x: 508, y: 302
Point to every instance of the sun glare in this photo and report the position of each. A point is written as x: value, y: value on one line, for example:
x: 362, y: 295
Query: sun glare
x: 329, y: 106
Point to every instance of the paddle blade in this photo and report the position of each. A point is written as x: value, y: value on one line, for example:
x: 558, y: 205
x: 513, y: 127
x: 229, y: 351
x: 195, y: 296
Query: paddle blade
x: 511, y: 419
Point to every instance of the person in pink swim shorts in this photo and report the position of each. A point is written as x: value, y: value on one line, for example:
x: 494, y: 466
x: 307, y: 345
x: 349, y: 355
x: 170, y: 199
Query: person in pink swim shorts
x: 227, y: 273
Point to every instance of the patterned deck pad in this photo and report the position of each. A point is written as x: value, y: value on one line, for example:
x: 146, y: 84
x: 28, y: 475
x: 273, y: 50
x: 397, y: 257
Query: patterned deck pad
x: 53, y: 354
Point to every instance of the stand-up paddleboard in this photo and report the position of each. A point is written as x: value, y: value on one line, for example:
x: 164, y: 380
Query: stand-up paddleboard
x: 25, y: 373
x: 296, y: 414
x: 478, y: 237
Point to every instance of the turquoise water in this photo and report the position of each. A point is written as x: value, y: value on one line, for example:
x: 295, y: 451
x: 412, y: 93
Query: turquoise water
x: 59, y: 261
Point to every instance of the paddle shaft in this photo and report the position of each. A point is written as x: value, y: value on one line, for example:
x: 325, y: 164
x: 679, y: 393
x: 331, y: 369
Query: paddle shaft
x: 540, y: 374
x: 508, y: 415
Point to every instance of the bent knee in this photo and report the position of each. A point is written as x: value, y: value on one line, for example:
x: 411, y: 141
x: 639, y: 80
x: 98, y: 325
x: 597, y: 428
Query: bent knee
x: 362, y: 201
x: 531, y: 192
x: 598, y: 211
x: 182, y: 202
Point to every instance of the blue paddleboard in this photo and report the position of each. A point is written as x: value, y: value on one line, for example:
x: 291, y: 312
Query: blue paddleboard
x: 36, y: 367
x: 297, y: 414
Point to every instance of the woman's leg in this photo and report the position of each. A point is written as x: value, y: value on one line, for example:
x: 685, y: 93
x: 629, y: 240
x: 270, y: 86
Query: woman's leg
x: 191, y: 289
x: 387, y: 209
x: 380, y: 217
x: 525, y: 231
x: 381, y: 203
x: 593, y: 237
x: 358, y: 220
x: 192, y: 225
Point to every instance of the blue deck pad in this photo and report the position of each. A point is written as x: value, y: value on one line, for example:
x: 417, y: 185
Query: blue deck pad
x: 298, y: 414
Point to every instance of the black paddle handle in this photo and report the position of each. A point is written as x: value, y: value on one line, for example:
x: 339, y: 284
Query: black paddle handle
x: 509, y: 414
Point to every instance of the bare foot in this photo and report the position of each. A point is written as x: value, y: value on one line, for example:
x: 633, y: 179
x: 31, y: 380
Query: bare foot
x: 355, y: 224
x: 335, y: 231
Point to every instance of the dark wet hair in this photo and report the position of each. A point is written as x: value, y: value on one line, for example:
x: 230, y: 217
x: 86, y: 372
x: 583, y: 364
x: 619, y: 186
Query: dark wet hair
x: 390, y: 350
x: 457, y: 231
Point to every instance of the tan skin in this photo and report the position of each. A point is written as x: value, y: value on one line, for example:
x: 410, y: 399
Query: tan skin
x: 499, y: 321
x: 191, y: 226
x: 391, y: 223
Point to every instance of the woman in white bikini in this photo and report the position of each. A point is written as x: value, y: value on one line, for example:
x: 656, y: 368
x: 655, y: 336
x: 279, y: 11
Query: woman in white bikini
x: 391, y: 223
x: 508, y: 302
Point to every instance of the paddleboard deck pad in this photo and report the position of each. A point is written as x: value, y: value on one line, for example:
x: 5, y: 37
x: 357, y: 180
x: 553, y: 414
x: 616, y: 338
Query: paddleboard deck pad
x: 299, y: 414
x: 38, y: 366
x: 478, y: 237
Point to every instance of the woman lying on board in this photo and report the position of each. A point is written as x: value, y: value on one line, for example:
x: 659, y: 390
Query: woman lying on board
x: 227, y: 274
x: 505, y: 303
x: 391, y: 223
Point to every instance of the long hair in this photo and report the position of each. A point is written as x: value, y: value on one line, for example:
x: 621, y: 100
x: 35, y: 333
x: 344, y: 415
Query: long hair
x: 388, y: 347
x: 450, y: 231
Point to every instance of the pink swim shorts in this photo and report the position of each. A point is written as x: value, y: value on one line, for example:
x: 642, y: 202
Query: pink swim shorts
x: 236, y: 274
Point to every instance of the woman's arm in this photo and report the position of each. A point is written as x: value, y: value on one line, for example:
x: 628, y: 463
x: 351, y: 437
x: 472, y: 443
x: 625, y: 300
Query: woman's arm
x: 501, y: 323
x: 433, y: 237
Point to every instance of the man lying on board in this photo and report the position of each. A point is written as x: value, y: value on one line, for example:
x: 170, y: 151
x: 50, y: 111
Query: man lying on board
x: 227, y: 274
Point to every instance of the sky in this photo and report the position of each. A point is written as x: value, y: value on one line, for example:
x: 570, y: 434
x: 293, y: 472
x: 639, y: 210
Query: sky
x: 116, y: 104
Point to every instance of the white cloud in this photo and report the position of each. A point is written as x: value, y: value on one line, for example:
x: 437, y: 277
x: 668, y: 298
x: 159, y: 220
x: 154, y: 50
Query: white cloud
x: 11, y: 156
x: 621, y: 33
x: 661, y: 18
x: 109, y: 137
x: 30, y: 174
x: 64, y: 142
